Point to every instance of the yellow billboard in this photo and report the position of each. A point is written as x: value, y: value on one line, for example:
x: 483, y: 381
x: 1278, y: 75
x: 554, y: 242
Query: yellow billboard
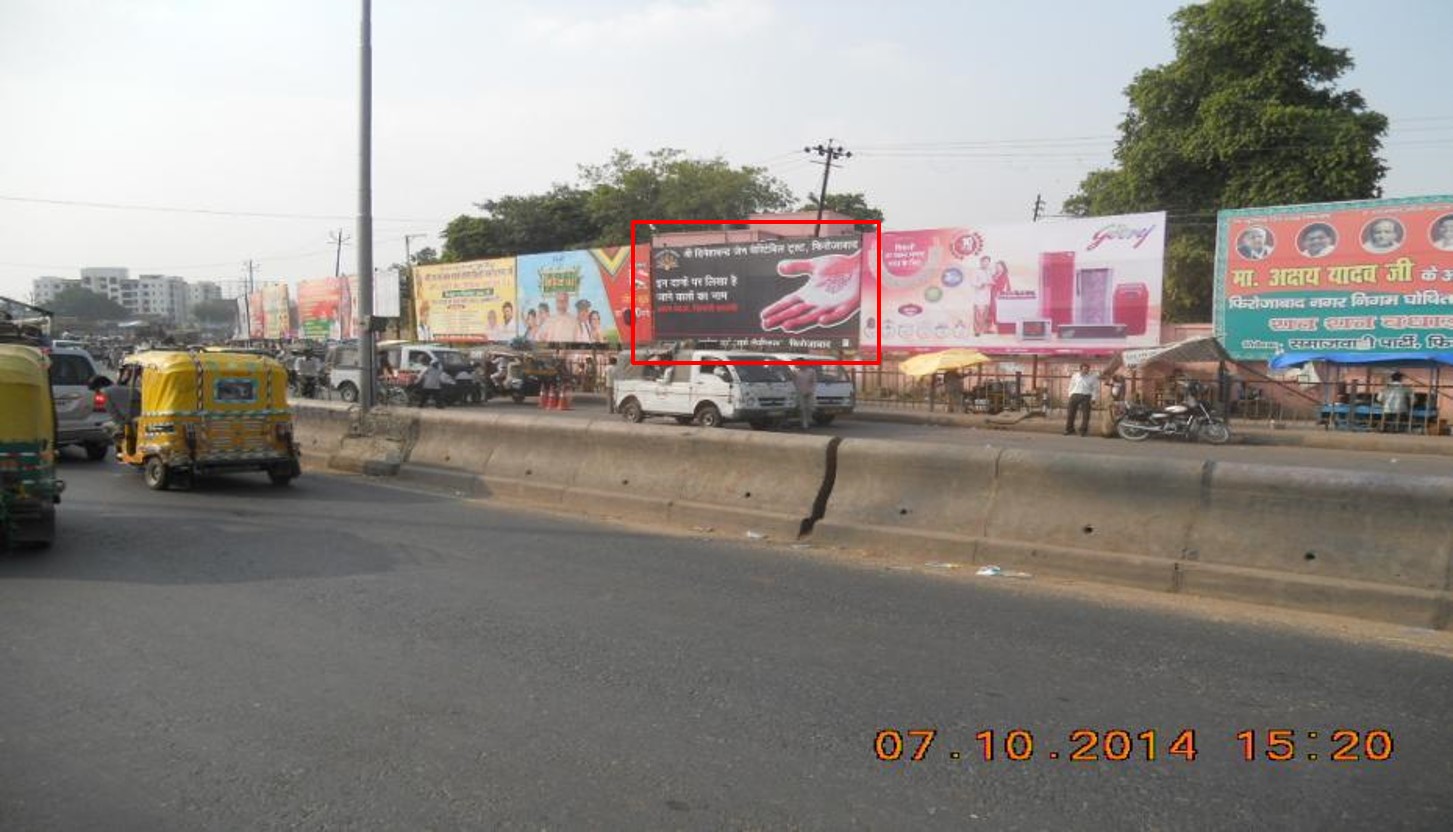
x: 473, y: 301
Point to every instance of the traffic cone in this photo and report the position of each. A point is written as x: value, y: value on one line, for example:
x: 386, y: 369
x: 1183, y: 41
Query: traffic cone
x: 544, y: 398
x: 565, y: 398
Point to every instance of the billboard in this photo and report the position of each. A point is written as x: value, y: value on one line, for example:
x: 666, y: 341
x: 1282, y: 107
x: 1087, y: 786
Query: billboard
x: 277, y: 310
x: 325, y: 308
x: 645, y: 329
x: 1068, y: 287
x: 473, y: 301
x: 254, y: 311
x: 1367, y: 277
x: 563, y: 295
x: 787, y: 294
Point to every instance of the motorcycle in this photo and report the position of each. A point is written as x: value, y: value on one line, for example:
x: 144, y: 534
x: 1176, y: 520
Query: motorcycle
x: 1191, y: 420
x: 305, y: 386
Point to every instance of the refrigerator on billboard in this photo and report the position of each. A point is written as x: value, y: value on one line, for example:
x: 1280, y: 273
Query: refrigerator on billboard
x: 1092, y: 296
x: 1057, y: 287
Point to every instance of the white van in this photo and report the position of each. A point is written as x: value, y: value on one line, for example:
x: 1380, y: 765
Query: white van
x: 719, y: 390
x: 406, y: 357
x: 836, y: 395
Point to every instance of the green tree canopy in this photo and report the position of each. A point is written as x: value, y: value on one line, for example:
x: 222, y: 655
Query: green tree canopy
x: 215, y: 312
x: 78, y: 302
x: 1247, y: 115
x: 854, y: 205
x: 599, y: 209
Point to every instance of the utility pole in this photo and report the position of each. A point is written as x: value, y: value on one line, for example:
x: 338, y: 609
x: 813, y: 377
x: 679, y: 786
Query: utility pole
x: 1038, y: 206
x: 247, y: 301
x: 409, y: 272
x: 365, y: 209
x: 338, y: 238
x: 829, y: 154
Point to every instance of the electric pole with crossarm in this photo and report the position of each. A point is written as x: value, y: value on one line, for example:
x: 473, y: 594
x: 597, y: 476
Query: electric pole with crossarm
x: 829, y: 154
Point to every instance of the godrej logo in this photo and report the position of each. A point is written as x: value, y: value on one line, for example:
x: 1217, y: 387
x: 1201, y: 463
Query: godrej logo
x: 1120, y: 231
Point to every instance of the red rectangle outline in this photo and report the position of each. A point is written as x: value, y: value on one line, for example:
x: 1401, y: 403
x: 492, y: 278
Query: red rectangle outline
x: 877, y: 322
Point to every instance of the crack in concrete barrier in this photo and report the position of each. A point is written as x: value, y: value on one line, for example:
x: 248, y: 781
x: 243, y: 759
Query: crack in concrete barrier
x: 824, y: 491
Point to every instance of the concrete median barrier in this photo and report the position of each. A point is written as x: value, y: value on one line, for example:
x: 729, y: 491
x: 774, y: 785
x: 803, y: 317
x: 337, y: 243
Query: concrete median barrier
x: 1311, y: 534
x: 931, y: 499
x: 319, y: 430
x: 1344, y: 542
x: 702, y: 477
x: 1347, y: 542
x: 532, y: 458
x: 1087, y: 515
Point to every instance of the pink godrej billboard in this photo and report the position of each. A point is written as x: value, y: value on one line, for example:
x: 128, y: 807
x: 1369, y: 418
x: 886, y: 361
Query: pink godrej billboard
x: 1067, y: 287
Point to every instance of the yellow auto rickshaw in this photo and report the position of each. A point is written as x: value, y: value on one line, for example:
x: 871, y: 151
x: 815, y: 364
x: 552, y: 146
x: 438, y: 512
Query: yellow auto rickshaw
x: 198, y: 412
x: 29, y: 489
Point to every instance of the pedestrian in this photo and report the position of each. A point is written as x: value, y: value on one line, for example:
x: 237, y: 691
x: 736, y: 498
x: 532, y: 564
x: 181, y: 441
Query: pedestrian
x: 1395, y: 400
x: 804, y: 378
x: 431, y: 385
x: 612, y: 370
x: 1082, y: 390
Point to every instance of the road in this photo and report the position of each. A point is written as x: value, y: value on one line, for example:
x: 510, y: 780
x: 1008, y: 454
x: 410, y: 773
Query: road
x: 349, y: 654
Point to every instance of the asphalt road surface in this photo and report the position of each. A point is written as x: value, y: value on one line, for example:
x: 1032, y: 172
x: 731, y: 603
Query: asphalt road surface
x: 348, y: 654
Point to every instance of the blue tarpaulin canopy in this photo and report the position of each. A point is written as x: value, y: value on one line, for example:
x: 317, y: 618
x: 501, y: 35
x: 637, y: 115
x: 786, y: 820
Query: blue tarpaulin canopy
x: 1401, y: 359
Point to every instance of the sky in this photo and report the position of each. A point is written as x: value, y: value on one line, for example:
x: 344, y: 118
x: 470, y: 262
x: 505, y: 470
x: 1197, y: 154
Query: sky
x: 187, y: 137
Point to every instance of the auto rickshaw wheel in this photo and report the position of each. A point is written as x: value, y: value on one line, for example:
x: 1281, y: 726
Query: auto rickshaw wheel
x: 280, y: 477
x: 96, y: 451
x: 822, y: 420
x: 518, y: 397
x: 156, y: 474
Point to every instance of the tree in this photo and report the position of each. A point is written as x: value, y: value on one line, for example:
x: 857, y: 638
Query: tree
x: 1247, y: 115
x: 854, y: 205
x: 598, y: 211
x: 669, y: 186
x: 78, y: 302
x: 556, y: 220
x: 216, y: 312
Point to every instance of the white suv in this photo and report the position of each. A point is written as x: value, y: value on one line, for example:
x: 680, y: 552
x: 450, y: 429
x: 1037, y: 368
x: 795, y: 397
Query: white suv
x: 80, y: 411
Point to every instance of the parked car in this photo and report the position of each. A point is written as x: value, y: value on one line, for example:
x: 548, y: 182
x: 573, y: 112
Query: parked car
x: 80, y: 408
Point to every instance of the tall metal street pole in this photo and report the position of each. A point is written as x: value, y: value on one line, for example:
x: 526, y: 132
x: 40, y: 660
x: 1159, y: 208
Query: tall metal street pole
x: 365, y: 210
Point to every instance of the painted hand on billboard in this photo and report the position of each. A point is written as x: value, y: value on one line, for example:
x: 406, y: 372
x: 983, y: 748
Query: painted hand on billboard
x: 828, y: 298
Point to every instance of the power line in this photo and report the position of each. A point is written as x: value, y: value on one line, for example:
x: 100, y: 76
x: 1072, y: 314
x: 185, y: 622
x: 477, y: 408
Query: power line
x: 119, y: 206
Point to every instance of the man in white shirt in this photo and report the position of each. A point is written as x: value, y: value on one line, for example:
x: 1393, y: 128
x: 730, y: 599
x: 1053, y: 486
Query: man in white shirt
x: 804, y: 380
x: 1082, y: 391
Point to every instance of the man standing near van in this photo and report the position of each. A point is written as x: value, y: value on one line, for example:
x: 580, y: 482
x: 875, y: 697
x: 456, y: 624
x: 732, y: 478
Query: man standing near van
x: 611, y: 371
x: 431, y: 384
x: 1082, y: 390
x: 804, y: 378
